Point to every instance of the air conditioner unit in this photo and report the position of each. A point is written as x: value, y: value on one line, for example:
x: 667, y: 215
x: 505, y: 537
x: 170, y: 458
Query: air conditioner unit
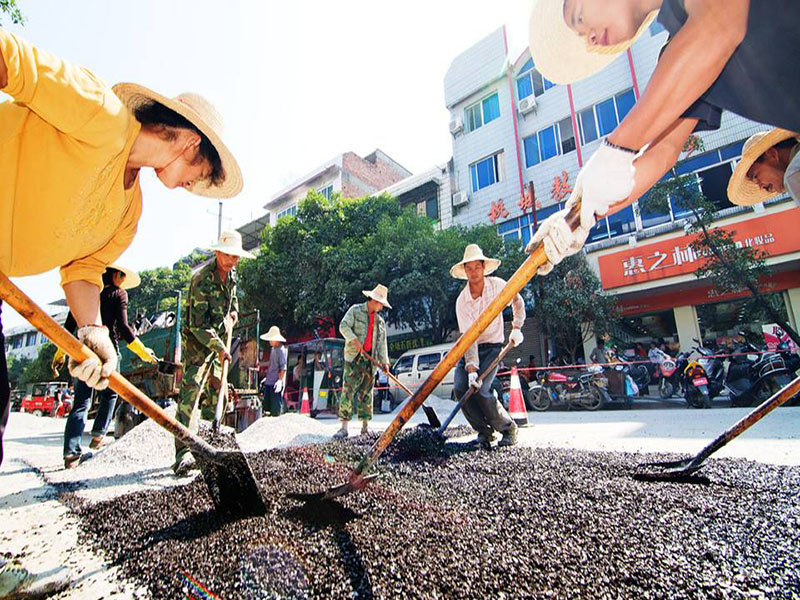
x: 460, y: 199
x: 528, y: 104
x: 456, y: 125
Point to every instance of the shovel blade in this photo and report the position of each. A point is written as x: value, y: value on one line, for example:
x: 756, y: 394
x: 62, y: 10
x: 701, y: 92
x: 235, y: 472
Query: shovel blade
x: 356, y: 483
x: 231, y: 484
x: 676, y: 470
x: 433, y: 418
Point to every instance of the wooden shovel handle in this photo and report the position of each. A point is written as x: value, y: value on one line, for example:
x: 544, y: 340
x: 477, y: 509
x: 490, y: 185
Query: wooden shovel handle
x: 389, y: 374
x: 78, y: 352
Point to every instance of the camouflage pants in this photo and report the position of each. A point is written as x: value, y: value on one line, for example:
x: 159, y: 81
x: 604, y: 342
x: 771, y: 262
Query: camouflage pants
x: 195, y: 394
x: 359, y: 376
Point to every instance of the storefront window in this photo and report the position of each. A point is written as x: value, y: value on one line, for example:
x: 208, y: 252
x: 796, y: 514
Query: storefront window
x: 639, y: 330
x: 720, y: 322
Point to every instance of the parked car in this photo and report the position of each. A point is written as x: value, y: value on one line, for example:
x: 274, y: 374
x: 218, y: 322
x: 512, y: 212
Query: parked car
x: 414, y: 367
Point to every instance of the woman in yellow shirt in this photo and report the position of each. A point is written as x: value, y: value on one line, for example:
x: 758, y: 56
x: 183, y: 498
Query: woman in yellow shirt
x: 71, y: 149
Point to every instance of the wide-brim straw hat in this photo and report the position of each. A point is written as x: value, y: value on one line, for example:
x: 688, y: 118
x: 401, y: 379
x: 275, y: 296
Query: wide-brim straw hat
x: 379, y: 294
x: 741, y: 190
x: 560, y: 54
x: 132, y: 278
x: 474, y: 252
x: 230, y: 242
x: 273, y: 335
x: 202, y: 114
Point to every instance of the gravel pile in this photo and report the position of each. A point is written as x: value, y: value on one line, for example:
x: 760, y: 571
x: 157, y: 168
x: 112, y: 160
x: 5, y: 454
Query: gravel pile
x: 449, y: 521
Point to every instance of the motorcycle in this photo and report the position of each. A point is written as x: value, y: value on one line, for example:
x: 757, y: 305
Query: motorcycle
x: 669, y: 380
x: 714, y: 367
x: 695, y: 386
x: 754, y: 377
x: 586, y: 389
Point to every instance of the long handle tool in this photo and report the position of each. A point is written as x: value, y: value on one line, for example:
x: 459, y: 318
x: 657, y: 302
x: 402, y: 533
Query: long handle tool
x: 472, y: 389
x: 433, y: 418
x: 519, y: 279
x: 223, y: 380
x: 680, y: 470
x: 227, y: 474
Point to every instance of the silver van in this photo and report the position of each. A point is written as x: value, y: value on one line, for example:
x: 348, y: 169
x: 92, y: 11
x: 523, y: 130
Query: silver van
x: 414, y: 367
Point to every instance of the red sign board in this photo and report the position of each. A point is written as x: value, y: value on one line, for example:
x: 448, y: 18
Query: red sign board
x: 775, y: 234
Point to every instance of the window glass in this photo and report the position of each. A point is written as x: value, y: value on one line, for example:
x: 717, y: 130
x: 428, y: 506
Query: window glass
x: 432, y: 208
x: 606, y: 116
x: 567, y: 135
x: 622, y: 222
x: 472, y: 116
x: 598, y: 232
x: 16, y: 342
x: 588, y: 125
x: 625, y: 102
x: 484, y: 173
x: 524, y: 87
x: 545, y: 212
x: 491, y: 108
x: 538, y: 84
x: 731, y: 151
x: 526, y: 234
x: 427, y: 362
x: 512, y: 237
x: 527, y: 66
x: 30, y: 338
x: 508, y: 226
x: 679, y: 205
x: 547, y: 143
x: 651, y: 219
x: 714, y: 183
x: 403, y: 365
x: 473, y: 176
x: 656, y: 28
x: 531, y: 151
x: 694, y: 163
x: 548, y: 84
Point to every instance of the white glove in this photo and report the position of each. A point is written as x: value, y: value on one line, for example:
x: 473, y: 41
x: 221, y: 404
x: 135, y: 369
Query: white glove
x: 558, y: 239
x: 515, y: 337
x: 91, y: 371
x: 278, y: 387
x: 605, y: 179
x: 472, y: 378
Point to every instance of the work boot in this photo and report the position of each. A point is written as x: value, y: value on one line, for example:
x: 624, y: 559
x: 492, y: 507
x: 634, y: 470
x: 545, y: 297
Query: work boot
x: 184, y: 464
x: 485, y: 441
x: 509, y: 438
x: 364, y: 427
x: 341, y: 434
x: 98, y: 441
x: 70, y: 462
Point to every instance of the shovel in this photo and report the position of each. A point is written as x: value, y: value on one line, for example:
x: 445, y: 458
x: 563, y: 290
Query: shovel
x: 223, y: 381
x: 433, y: 419
x: 472, y: 389
x: 227, y: 474
x: 357, y: 479
x: 680, y: 470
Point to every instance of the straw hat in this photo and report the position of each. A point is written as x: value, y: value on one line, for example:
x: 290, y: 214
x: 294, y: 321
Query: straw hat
x: 132, y: 278
x: 379, y: 294
x: 560, y: 54
x: 230, y: 242
x: 474, y: 252
x: 741, y: 190
x: 273, y: 335
x: 202, y: 114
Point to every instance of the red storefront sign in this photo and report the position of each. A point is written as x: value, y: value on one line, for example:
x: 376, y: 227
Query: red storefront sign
x: 775, y: 234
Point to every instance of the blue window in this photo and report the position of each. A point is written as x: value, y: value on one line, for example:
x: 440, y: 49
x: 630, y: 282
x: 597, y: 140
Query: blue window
x: 547, y: 143
x: 625, y: 102
x: 651, y: 219
x: 697, y: 162
x: 548, y: 84
x: 656, y: 28
x: 508, y: 226
x: 531, y: 151
x: 524, y: 87
x: 599, y: 231
x: 606, y: 116
x: 491, y: 108
x: 287, y: 212
x: 545, y: 212
x: 530, y: 81
x: 731, y: 151
x: 526, y: 235
x: 622, y: 222
x: 326, y: 191
x: 484, y: 173
x: 588, y: 125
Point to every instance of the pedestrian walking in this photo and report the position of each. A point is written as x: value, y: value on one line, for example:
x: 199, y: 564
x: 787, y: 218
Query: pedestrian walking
x: 275, y: 379
x: 114, y: 315
x: 483, y: 412
x: 212, y: 306
x: 732, y: 55
x: 364, y: 331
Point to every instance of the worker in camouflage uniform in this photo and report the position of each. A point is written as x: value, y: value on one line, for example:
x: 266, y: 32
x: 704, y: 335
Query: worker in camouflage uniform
x: 364, y: 331
x: 211, y: 307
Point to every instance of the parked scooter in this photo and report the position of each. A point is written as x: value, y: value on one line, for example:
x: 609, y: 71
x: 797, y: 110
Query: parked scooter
x: 586, y: 389
x: 753, y: 377
x: 714, y: 367
x: 695, y: 386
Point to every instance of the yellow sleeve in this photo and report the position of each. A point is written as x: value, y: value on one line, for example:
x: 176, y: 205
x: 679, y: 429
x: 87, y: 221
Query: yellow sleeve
x: 68, y: 97
x: 90, y: 268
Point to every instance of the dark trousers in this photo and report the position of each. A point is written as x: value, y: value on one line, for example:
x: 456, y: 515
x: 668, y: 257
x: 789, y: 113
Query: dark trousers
x: 5, y: 390
x: 482, y: 411
x: 76, y: 420
x: 273, y: 401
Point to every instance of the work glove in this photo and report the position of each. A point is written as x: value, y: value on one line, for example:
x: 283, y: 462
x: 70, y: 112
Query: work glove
x: 94, y: 372
x: 472, y: 379
x: 58, y: 361
x: 606, y: 178
x: 142, y: 351
x: 558, y: 239
x: 515, y: 337
x: 278, y: 387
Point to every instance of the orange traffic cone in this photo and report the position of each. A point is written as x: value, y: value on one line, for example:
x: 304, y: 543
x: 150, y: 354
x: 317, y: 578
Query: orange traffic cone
x: 516, y: 405
x: 305, y: 408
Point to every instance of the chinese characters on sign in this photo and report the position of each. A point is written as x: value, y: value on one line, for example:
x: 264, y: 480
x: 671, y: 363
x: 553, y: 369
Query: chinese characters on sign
x: 679, y: 255
x: 498, y: 211
x: 561, y: 188
x: 528, y: 199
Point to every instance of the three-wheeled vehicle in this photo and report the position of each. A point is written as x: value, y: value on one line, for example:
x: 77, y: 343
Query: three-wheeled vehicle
x: 317, y: 366
x: 43, y: 399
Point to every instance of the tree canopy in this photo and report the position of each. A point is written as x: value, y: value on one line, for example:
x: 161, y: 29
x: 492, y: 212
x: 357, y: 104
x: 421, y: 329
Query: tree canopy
x: 10, y: 8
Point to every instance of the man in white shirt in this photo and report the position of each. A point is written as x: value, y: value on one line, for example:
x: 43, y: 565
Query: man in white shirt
x: 483, y: 412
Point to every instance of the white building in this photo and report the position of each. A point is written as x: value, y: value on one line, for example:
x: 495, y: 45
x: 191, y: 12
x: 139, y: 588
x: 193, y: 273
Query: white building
x: 25, y: 341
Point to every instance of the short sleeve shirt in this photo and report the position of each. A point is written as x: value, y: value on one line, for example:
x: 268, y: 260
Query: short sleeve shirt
x: 277, y: 363
x: 760, y: 80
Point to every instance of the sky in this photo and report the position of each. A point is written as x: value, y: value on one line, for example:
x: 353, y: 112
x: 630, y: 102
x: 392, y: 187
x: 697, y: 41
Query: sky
x: 297, y: 83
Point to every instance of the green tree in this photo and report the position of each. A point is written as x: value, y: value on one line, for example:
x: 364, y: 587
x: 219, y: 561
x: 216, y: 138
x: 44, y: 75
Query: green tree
x: 16, y: 369
x: 10, y: 8
x: 729, y: 266
x: 570, y: 304
x: 157, y: 292
x: 39, y: 369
